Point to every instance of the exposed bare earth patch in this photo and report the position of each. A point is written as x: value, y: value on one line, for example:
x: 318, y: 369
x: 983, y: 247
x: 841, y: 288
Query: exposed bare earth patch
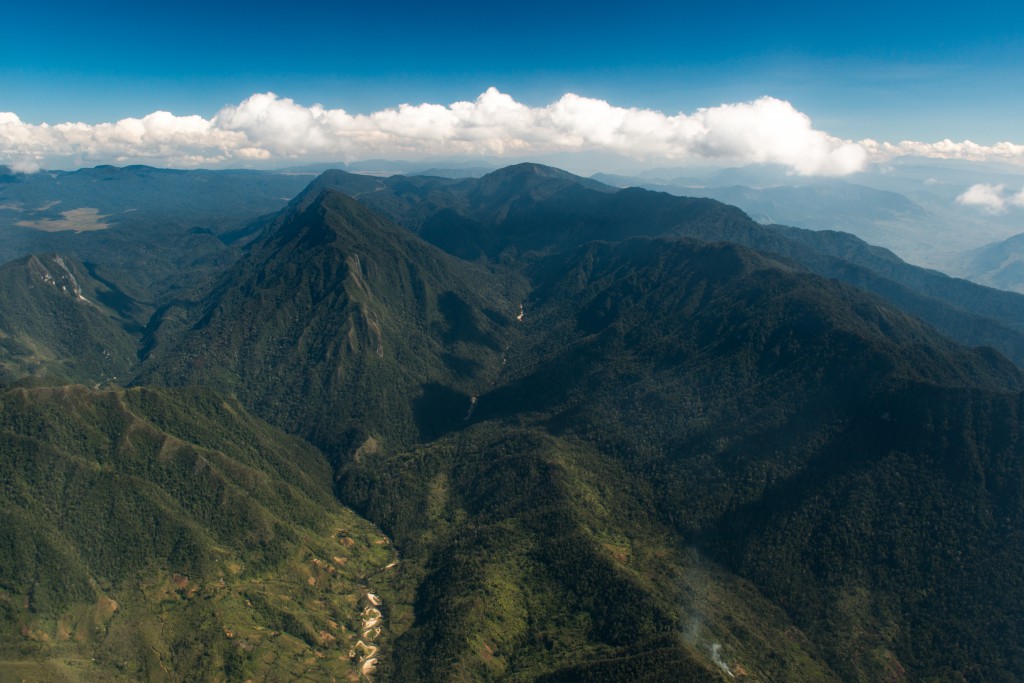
x: 79, y: 220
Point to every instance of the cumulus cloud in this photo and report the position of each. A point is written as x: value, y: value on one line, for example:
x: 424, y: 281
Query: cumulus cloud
x: 764, y: 131
x: 992, y: 199
x: 267, y: 127
x: 989, y: 198
x: 946, y: 149
x: 160, y: 137
x: 25, y: 165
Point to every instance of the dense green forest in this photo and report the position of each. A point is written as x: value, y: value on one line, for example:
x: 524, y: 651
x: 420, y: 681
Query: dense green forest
x: 167, y: 535
x: 59, y: 324
x: 610, y: 435
x: 155, y: 232
x: 533, y: 207
x: 339, y: 326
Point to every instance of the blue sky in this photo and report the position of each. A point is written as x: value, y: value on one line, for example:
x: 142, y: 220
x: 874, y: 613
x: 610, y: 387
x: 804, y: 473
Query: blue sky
x: 889, y: 71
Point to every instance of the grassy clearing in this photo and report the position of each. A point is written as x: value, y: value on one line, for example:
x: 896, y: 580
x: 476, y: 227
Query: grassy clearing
x: 79, y: 220
x: 300, y: 620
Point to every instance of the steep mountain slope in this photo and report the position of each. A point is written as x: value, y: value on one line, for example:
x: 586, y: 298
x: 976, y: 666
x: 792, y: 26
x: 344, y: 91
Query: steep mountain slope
x: 638, y: 478
x: 670, y: 395
x: 167, y: 535
x: 538, y: 214
x: 344, y: 328
x: 980, y: 315
x: 57, y: 324
x: 678, y: 459
x: 736, y: 389
x: 538, y: 558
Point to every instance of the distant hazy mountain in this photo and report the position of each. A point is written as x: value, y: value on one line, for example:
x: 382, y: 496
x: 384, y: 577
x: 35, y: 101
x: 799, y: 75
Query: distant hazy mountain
x: 998, y: 265
x: 444, y: 172
x: 220, y: 201
x: 876, y: 216
x: 384, y: 167
x: 909, y: 207
x: 152, y: 230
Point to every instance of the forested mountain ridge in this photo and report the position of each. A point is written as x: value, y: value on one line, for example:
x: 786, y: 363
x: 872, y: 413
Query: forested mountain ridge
x: 575, y: 210
x: 733, y: 389
x: 343, y: 327
x: 719, y: 385
x: 784, y: 426
x: 601, y: 455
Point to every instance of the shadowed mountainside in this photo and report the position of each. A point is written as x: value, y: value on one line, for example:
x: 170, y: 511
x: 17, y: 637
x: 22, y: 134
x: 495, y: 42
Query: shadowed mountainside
x: 625, y: 450
x: 532, y: 207
x: 601, y: 455
x: 344, y: 328
x: 708, y: 398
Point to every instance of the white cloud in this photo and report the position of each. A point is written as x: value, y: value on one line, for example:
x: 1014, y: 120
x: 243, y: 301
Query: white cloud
x: 266, y: 127
x: 989, y: 198
x: 25, y: 165
x: 764, y: 131
x: 992, y: 199
x: 946, y: 149
x: 160, y: 137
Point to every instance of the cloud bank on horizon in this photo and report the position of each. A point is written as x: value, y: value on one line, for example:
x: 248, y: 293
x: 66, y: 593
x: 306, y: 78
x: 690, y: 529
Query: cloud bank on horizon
x: 266, y: 128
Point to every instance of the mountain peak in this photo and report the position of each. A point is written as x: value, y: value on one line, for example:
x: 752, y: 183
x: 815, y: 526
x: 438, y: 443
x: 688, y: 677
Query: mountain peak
x: 534, y: 168
x: 496, y: 193
x: 338, y: 180
x: 319, y: 216
x: 348, y: 302
x: 537, y: 173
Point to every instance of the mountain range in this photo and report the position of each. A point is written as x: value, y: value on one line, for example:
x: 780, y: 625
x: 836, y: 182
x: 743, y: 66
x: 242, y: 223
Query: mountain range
x: 915, y: 208
x: 139, y: 226
x: 609, y: 434
x: 530, y: 207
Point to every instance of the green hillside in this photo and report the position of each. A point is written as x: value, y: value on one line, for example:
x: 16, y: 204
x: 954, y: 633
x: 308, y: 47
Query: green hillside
x: 59, y: 324
x: 643, y: 474
x: 166, y: 535
x: 830, y: 468
x: 529, y: 207
x: 343, y: 327
x: 539, y: 558
x: 600, y: 456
